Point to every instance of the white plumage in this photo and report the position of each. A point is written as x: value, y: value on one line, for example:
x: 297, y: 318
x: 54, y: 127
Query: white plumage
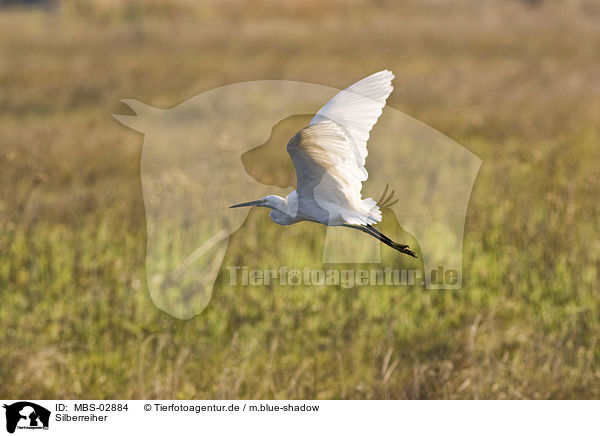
x: 329, y: 157
x: 330, y: 177
x: 357, y: 109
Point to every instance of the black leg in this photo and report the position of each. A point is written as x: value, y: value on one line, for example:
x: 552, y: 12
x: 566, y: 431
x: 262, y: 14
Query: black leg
x: 370, y: 230
x: 377, y: 232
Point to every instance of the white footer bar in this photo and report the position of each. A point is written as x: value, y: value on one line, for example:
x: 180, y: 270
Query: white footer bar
x: 300, y: 417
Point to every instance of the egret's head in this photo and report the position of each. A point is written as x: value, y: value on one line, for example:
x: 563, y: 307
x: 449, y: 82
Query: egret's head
x: 270, y: 201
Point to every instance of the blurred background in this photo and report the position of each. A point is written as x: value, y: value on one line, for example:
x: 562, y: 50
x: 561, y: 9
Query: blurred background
x: 516, y: 82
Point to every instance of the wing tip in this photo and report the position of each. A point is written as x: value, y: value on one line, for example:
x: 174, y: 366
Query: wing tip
x: 384, y: 79
x: 386, y: 72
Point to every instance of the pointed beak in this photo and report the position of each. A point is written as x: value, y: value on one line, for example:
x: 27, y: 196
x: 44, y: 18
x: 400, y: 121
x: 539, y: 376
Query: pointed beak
x: 250, y: 203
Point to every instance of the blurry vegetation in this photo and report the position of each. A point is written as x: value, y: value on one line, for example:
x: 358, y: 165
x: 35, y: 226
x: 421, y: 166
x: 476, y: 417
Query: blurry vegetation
x: 517, y: 85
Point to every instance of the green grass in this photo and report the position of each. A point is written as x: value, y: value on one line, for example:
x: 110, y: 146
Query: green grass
x: 514, y: 84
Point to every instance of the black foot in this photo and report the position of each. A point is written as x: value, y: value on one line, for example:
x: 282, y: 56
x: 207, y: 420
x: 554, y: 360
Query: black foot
x: 404, y: 249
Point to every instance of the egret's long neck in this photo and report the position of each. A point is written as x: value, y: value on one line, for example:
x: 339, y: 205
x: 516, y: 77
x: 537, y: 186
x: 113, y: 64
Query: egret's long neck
x: 291, y: 203
x: 284, y: 209
x: 279, y: 204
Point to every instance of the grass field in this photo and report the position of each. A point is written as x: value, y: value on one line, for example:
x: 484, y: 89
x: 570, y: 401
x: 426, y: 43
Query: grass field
x: 514, y: 82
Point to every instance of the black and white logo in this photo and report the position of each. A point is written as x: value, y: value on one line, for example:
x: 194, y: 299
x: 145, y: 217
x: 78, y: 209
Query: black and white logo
x: 26, y: 415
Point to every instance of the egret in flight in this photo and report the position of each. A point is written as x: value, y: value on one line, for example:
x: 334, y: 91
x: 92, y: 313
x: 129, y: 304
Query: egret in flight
x: 329, y: 158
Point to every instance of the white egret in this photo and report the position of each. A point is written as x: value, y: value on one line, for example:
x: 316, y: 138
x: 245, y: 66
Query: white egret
x: 329, y: 158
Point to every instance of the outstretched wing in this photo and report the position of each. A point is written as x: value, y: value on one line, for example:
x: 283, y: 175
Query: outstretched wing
x: 329, y: 180
x: 329, y: 155
x: 356, y: 109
